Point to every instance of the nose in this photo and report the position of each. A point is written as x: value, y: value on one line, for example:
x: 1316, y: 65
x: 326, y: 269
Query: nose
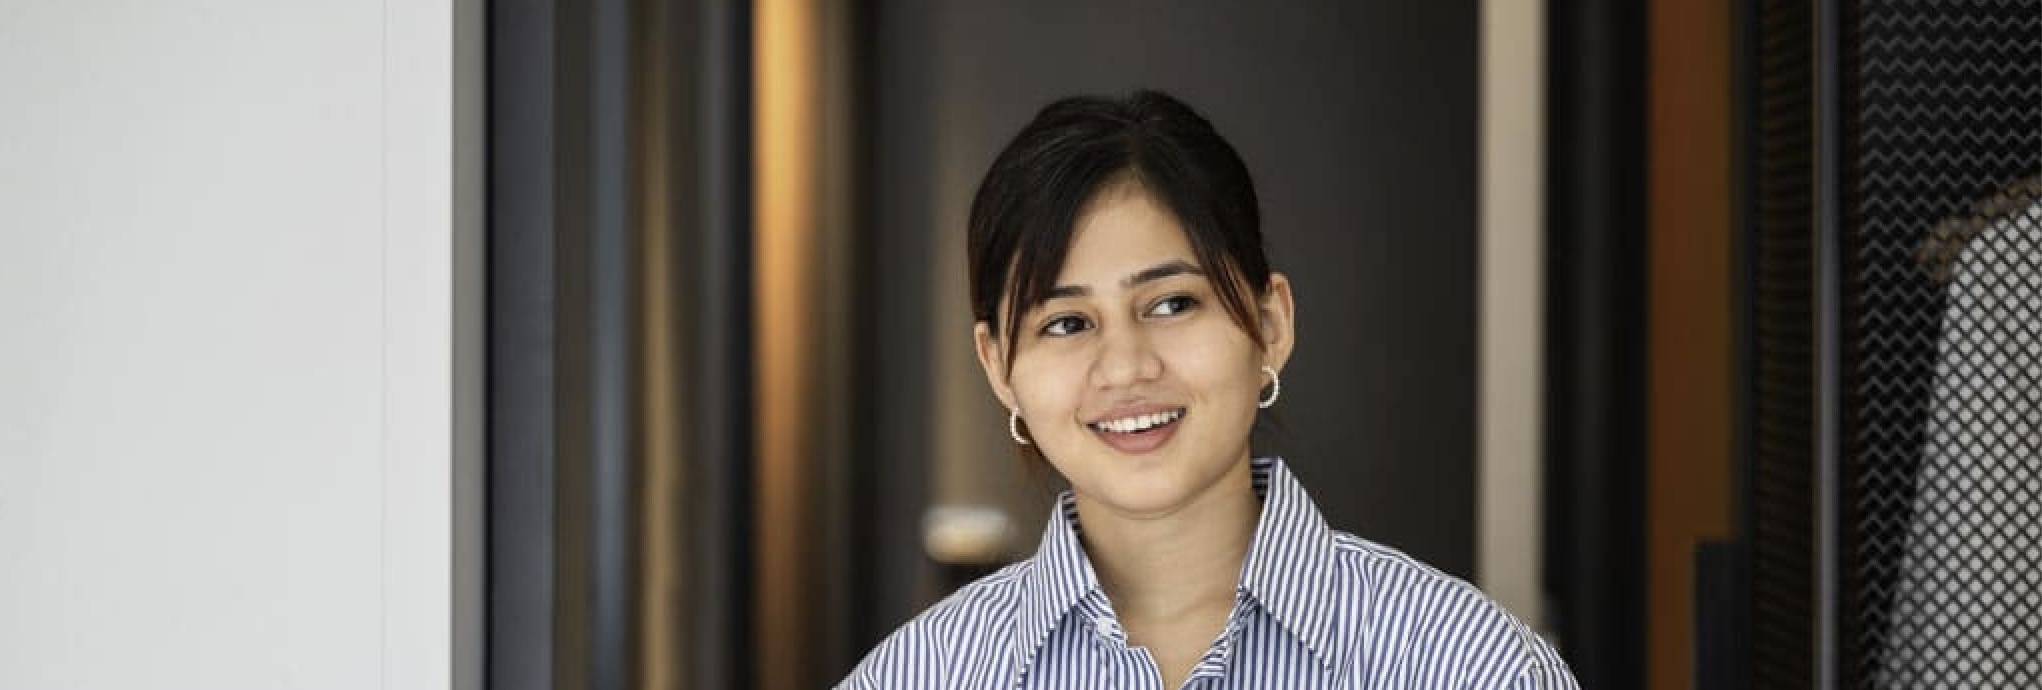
x: 1126, y: 357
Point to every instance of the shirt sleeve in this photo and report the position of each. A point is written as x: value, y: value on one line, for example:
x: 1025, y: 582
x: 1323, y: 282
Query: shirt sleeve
x: 1543, y: 669
x: 908, y: 658
x: 1499, y: 651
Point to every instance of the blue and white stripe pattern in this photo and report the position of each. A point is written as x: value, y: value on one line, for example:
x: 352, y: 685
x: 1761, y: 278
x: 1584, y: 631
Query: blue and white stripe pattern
x: 1315, y: 609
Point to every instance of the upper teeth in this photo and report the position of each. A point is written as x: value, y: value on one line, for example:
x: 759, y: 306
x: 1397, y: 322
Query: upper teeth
x: 1141, y: 422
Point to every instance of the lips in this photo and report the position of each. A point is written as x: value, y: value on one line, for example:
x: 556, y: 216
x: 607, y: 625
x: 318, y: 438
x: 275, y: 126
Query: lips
x: 1138, y: 429
x: 1137, y: 423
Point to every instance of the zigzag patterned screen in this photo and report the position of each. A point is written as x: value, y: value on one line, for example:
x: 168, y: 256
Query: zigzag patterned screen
x: 1783, y: 346
x: 1941, y: 471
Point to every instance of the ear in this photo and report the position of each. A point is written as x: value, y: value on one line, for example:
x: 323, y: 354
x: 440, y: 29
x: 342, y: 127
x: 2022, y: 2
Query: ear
x: 992, y: 357
x: 1279, y: 321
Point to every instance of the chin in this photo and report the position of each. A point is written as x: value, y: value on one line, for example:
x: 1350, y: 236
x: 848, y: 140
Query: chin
x: 1156, y: 488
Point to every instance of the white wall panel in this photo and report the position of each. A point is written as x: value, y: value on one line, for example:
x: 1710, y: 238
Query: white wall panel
x: 227, y: 344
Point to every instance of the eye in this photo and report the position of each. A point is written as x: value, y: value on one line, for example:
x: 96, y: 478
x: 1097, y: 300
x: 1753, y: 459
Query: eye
x: 1173, y: 305
x: 1065, y: 324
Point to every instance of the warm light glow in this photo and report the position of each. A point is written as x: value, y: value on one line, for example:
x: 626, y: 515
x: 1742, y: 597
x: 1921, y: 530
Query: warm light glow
x: 786, y: 185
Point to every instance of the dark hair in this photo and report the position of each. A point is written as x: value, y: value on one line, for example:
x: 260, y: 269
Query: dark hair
x: 1028, y: 204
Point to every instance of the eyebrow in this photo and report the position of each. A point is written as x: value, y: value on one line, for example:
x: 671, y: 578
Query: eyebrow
x: 1174, y: 267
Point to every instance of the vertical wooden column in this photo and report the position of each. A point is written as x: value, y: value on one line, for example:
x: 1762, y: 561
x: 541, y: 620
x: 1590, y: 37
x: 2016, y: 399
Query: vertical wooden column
x: 1691, y: 354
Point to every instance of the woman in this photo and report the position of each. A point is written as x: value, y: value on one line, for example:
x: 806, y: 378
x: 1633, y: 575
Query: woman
x: 1128, y: 319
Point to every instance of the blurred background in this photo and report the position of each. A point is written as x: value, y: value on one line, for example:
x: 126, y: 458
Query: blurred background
x: 624, y: 343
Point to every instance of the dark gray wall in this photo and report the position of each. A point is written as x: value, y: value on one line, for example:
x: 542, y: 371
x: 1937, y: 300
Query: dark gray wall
x: 1358, y: 120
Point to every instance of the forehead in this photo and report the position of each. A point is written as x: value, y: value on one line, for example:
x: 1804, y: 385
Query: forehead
x: 1120, y: 232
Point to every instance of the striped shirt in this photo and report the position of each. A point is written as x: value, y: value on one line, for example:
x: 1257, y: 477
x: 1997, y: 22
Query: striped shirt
x: 1315, y: 608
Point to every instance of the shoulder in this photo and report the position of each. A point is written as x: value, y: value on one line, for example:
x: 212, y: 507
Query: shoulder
x: 1403, y: 594
x: 1446, y: 628
x: 1394, y: 577
x: 969, y: 629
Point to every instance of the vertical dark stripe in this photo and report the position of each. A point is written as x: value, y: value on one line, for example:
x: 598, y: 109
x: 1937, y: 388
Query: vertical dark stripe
x: 902, y: 110
x: 858, y: 495
x: 1828, y: 339
x: 574, y: 601
x: 518, y: 457
x: 611, y: 339
x: 1782, y: 339
x: 1595, y: 390
x: 720, y: 453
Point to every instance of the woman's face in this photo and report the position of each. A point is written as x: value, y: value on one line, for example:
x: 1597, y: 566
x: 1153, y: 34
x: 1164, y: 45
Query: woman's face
x: 1133, y: 380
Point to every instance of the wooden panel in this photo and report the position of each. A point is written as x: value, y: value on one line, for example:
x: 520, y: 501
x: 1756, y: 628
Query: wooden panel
x: 1689, y: 338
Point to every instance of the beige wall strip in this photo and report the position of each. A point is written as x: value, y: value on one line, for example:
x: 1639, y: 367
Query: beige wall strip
x: 1511, y: 261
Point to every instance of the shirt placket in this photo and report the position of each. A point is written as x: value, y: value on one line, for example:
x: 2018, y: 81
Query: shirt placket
x: 1120, y: 665
x: 1212, y: 666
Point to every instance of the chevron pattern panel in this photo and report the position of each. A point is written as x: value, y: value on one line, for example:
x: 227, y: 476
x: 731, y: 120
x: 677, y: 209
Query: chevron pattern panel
x: 1941, y: 466
x: 1783, y: 346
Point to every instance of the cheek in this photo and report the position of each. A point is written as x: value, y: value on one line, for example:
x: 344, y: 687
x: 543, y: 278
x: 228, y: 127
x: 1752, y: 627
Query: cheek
x: 1221, y: 359
x: 1047, y: 380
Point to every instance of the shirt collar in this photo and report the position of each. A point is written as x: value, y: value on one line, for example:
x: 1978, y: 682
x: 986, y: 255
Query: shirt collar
x: 1060, y: 578
x: 1289, y: 570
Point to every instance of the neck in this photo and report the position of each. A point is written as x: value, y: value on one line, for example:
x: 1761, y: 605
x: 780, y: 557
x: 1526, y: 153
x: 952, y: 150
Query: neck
x: 1185, y: 562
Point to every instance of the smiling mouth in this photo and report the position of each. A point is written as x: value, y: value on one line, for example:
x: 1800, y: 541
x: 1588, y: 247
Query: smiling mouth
x: 1139, y: 424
